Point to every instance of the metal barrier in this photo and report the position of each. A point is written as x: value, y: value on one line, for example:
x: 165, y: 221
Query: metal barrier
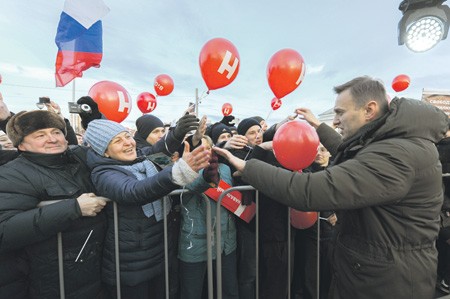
x: 209, y: 247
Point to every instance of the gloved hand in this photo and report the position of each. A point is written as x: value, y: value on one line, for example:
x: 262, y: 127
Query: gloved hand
x: 228, y: 120
x: 185, y: 124
x: 211, y: 173
x: 246, y: 198
x: 87, y: 117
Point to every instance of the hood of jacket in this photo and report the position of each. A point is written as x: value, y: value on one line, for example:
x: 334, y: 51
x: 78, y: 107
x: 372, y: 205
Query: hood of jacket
x: 406, y: 118
x: 409, y: 118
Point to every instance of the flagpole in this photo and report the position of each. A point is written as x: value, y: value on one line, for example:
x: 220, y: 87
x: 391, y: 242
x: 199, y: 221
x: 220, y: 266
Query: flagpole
x: 73, y: 116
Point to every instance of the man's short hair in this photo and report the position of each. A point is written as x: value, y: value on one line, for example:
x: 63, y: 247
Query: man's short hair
x: 364, y: 89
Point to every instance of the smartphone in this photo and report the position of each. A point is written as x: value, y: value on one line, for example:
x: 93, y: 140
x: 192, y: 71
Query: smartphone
x: 42, y: 102
x: 190, y: 109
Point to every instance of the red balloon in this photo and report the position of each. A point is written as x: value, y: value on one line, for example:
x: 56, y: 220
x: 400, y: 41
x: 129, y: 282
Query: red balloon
x: 163, y: 85
x: 227, y: 109
x: 302, y: 220
x: 400, y: 83
x: 146, y: 102
x: 113, y: 100
x: 0, y: 79
x: 295, y: 145
x: 219, y: 63
x: 275, y: 103
x: 285, y: 71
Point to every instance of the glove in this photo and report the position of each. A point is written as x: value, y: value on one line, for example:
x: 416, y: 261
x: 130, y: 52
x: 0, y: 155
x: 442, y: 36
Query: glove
x: 185, y: 124
x: 87, y: 117
x: 211, y: 173
x: 228, y: 120
x: 246, y: 198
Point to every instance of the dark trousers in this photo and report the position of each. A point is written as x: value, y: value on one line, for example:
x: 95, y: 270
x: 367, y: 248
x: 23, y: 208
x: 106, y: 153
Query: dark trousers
x: 273, y: 270
x: 152, y: 289
x: 193, y: 275
x: 305, y: 266
x: 246, y: 255
x: 443, y: 248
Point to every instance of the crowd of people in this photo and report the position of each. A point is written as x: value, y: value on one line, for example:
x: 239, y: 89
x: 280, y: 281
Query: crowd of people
x: 383, y: 227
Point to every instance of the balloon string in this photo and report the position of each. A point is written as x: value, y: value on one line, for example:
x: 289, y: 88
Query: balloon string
x: 266, y: 120
x: 268, y: 115
x: 204, y: 95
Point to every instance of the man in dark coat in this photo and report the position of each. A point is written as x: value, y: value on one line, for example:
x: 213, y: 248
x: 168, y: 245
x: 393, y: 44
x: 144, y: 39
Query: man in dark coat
x: 47, y: 170
x: 385, y: 184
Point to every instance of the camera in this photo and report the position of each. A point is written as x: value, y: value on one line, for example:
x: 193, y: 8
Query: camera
x: 42, y: 102
x: 77, y: 108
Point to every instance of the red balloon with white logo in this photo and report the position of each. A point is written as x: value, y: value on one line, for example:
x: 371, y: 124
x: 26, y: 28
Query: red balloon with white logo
x: 275, y: 103
x: 401, y: 82
x: 227, y: 109
x: 302, y: 220
x: 146, y: 102
x: 219, y: 63
x: 295, y: 145
x: 113, y: 100
x: 285, y: 72
x: 163, y: 85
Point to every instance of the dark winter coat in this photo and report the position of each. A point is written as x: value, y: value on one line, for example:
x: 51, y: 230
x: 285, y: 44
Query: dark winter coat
x: 28, y: 234
x: 141, y: 239
x: 387, y: 183
x: 273, y: 223
x: 444, y: 155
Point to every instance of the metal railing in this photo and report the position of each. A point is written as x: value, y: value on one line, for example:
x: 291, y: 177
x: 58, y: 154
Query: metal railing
x: 209, y: 245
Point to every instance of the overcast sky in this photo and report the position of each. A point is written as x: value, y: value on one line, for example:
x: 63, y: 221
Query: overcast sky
x: 339, y: 40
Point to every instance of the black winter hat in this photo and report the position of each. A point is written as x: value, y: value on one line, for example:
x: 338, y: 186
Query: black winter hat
x: 218, y: 129
x: 258, y: 118
x: 26, y: 122
x: 146, y: 124
x: 246, y: 124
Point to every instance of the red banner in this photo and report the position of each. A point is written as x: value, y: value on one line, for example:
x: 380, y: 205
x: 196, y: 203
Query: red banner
x: 232, y: 201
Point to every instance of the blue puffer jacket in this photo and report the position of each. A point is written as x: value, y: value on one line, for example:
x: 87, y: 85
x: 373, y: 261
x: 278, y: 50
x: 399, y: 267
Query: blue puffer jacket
x: 192, y: 241
x: 141, y: 239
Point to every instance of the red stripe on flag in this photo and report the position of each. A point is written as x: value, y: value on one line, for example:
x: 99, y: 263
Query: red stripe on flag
x: 70, y: 65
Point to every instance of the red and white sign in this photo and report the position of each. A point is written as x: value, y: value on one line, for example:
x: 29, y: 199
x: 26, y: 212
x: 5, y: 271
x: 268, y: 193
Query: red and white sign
x: 232, y: 201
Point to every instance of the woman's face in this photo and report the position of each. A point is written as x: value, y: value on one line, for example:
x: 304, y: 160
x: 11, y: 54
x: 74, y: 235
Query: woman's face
x: 122, y: 147
x: 206, y: 144
x: 5, y: 142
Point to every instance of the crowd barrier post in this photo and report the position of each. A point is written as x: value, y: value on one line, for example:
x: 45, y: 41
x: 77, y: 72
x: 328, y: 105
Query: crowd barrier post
x: 219, y: 238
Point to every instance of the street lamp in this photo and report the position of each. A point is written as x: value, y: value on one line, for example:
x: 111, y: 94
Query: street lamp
x: 424, y: 24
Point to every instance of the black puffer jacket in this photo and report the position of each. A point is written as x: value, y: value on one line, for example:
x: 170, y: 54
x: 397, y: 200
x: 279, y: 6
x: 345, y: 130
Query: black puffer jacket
x: 387, y: 184
x: 29, y: 233
x: 141, y: 239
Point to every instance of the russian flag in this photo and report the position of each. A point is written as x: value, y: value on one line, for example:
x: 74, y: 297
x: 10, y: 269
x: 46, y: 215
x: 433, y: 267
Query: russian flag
x: 79, y: 39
